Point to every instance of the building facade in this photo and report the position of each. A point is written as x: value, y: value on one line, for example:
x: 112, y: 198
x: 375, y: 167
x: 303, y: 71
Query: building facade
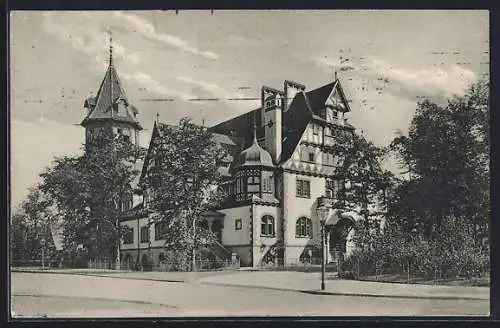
x: 281, y: 159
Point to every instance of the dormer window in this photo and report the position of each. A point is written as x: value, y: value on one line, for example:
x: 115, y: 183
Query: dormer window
x: 335, y: 113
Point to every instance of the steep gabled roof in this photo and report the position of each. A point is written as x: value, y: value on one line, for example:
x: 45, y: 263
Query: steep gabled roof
x: 109, y: 92
x: 230, y: 143
x: 318, y: 97
x: 304, y: 107
x: 241, y: 127
x: 295, y: 121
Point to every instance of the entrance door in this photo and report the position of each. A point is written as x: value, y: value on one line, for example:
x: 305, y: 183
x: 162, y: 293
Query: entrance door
x: 217, y: 229
x: 338, y: 239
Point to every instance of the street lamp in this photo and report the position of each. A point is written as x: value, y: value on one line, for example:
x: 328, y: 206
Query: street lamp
x: 323, y: 206
x: 42, y: 243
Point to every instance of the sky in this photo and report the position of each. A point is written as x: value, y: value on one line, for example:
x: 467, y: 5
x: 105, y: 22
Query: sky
x: 386, y: 62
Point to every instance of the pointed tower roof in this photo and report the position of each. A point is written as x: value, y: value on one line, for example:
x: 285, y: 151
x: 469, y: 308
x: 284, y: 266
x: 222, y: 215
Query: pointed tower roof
x: 108, y: 96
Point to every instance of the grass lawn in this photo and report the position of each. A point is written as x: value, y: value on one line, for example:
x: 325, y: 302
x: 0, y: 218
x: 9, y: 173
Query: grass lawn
x: 403, y: 278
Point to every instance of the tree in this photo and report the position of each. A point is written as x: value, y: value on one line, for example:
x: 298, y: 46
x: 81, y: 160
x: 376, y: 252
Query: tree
x: 184, y: 182
x: 366, y: 181
x: 90, y: 190
x: 447, y: 155
x: 31, y: 225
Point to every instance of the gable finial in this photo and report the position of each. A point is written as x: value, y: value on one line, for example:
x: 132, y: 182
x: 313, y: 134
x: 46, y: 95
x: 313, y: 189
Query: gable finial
x: 110, y: 47
x: 157, y: 118
x: 336, y: 77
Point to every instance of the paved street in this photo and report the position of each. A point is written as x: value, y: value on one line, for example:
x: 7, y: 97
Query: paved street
x: 67, y: 295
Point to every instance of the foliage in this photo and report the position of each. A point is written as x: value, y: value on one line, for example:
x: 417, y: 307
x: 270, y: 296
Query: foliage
x: 397, y: 251
x: 30, y: 226
x: 89, y: 192
x: 437, y: 218
x: 446, y: 153
x: 183, y: 182
x: 366, y: 181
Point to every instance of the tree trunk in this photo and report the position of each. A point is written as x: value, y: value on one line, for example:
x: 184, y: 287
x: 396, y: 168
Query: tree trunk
x: 408, y: 271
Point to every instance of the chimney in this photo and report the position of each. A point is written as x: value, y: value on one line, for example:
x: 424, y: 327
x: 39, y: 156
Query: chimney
x: 272, y: 107
x: 291, y: 89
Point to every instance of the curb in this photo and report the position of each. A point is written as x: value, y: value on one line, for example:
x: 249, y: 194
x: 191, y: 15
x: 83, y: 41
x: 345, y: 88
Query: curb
x: 99, y: 275
x: 320, y: 292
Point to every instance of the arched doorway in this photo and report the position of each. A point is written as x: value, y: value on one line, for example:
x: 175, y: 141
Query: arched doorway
x: 338, y: 237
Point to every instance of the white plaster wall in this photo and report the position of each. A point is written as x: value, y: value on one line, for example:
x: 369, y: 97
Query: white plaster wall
x: 262, y: 244
x: 142, y: 222
x: 296, y: 207
x: 310, y: 136
x: 231, y: 236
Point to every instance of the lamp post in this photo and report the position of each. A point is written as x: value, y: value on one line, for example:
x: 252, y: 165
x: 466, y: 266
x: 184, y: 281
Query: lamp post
x: 323, y: 207
x: 42, y: 243
x: 194, y: 244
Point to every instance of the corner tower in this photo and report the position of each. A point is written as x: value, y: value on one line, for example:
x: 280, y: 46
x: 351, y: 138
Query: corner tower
x: 110, y: 109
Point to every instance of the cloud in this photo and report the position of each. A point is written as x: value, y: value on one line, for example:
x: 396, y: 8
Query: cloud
x: 380, y: 75
x: 34, y: 146
x: 85, y: 39
x: 152, y: 85
x: 145, y: 28
x: 216, y: 91
x: 432, y: 81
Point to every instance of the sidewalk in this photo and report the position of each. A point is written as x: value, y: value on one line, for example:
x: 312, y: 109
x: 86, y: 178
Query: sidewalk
x: 311, y: 282
x: 305, y: 282
x: 187, y: 277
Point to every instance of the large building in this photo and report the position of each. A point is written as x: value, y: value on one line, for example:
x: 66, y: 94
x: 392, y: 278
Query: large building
x: 281, y: 160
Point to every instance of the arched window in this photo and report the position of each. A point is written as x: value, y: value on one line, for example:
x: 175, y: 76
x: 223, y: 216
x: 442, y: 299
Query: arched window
x: 303, y: 227
x: 267, y: 226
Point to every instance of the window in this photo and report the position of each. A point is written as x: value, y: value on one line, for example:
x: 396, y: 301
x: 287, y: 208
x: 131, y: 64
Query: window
x: 237, y: 224
x: 267, y: 226
x: 303, y: 188
x: 145, y: 234
x: 328, y: 159
x: 253, y: 182
x: 160, y: 230
x: 333, y: 188
x: 311, y: 157
x: 128, y: 237
x: 126, y: 138
x: 267, y: 184
x: 127, y: 202
x: 315, y: 128
x: 335, y: 114
x: 303, y: 228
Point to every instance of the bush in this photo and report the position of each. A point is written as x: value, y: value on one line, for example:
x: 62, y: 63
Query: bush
x: 452, y: 253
